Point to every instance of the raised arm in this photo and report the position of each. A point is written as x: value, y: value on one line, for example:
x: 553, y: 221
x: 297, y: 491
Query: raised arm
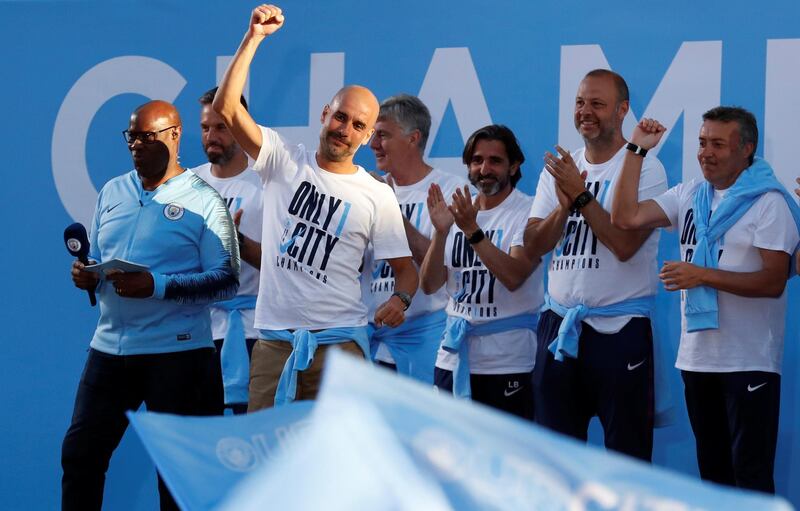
x: 626, y: 211
x: 264, y: 21
x: 510, y: 269
x: 433, y: 273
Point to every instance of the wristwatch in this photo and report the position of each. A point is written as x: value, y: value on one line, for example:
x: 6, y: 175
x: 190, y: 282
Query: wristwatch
x: 404, y: 297
x: 635, y: 149
x: 581, y: 200
x: 476, y: 237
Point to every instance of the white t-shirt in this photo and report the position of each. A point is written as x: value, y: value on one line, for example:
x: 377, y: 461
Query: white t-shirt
x: 317, y: 225
x: 582, y: 269
x: 750, y: 334
x: 378, y: 277
x: 242, y: 191
x: 477, y: 295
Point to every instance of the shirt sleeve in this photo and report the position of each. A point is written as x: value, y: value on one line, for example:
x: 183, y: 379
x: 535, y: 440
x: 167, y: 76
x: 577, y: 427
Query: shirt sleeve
x: 388, y: 234
x: 653, y: 181
x: 275, y: 155
x: 670, y: 202
x: 776, y: 229
x: 518, y: 238
x: 218, y: 279
x: 545, y: 200
x: 94, y: 250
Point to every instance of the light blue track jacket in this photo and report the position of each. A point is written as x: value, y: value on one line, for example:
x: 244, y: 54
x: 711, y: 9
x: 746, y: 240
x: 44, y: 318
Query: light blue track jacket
x: 183, y: 232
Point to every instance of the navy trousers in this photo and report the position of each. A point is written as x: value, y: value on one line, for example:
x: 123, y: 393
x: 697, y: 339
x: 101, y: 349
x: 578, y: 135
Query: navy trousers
x: 734, y: 418
x: 184, y: 383
x: 612, y: 378
x: 510, y: 393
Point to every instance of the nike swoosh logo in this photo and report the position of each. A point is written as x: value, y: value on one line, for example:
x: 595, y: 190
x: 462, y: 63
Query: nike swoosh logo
x: 507, y: 393
x: 634, y: 366
x: 377, y: 271
x: 285, y: 246
x: 750, y: 388
x: 112, y: 207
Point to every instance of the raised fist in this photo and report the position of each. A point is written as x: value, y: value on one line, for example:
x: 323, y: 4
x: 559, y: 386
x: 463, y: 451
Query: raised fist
x: 648, y: 133
x: 266, y: 20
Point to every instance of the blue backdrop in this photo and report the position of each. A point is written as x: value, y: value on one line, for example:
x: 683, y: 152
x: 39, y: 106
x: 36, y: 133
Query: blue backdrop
x: 75, y: 70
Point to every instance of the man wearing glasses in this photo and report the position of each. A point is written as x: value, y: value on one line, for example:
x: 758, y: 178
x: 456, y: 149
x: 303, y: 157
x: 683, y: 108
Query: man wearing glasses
x: 153, y: 339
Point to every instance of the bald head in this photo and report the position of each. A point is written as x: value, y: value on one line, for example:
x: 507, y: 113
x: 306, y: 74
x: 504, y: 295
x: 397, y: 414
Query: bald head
x: 160, y: 113
x: 347, y: 123
x: 360, y: 95
x: 155, y: 133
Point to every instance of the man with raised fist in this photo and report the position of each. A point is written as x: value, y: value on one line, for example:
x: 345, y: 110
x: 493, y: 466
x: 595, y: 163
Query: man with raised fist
x: 738, y: 230
x: 320, y: 213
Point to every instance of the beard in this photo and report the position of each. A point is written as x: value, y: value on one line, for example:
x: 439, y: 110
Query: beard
x: 489, y: 186
x: 334, y: 152
x: 220, y: 158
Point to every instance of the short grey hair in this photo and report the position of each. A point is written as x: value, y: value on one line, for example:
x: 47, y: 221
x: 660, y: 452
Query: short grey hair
x: 410, y: 114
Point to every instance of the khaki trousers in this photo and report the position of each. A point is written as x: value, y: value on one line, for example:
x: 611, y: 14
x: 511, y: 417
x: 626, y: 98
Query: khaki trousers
x: 266, y: 366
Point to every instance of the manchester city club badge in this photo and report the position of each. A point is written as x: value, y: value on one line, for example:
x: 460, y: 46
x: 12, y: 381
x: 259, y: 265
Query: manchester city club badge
x: 173, y: 211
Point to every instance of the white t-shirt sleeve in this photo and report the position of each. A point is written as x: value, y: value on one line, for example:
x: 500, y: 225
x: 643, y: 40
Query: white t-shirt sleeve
x: 274, y: 156
x: 654, y: 179
x: 545, y: 200
x: 776, y: 229
x: 670, y: 202
x: 388, y: 234
x: 518, y: 236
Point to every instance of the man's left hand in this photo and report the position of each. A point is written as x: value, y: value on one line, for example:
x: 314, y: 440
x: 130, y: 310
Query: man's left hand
x: 566, y: 173
x: 133, y: 284
x: 680, y: 275
x: 391, y: 313
x: 465, y: 212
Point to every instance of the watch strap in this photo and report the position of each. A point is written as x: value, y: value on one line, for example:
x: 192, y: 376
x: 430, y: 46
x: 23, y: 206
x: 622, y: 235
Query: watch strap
x: 476, y: 237
x: 582, y: 200
x: 635, y: 149
x: 404, y: 297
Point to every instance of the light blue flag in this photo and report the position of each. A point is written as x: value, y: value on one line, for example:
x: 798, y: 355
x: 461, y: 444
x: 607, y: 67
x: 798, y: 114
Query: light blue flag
x: 393, y: 444
x: 202, y: 458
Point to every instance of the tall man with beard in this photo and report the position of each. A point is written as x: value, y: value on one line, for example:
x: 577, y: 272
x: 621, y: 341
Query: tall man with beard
x: 595, y: 352
x: 320, y: 213
x: 153, y: 339
x: 739, y: 228
x: 489, y: 346
x: 232, y: 320
x: 401, y: 134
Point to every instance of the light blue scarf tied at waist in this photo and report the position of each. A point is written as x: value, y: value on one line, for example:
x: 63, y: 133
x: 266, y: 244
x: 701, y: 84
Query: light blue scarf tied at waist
x: 413, y: 344
x: 566, y: 343
x: 234, y: 358
x: 304, y: 345
x: 700, y: 306
x: 458, y: 330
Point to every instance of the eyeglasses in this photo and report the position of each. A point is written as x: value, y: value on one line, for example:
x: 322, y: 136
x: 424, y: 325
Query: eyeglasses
x: 146, y: 137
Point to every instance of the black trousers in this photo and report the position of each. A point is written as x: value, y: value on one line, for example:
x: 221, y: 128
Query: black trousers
x: 611, y: 378
x: 510, y: 393
x: 734, y: 418
x: 183, y: 383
